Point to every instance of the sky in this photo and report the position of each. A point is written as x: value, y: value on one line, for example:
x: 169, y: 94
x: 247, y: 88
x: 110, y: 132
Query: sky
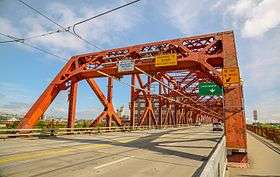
x: 25, y: 72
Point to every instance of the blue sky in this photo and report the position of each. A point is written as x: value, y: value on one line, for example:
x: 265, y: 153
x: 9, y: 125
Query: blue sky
x: 25, y: 72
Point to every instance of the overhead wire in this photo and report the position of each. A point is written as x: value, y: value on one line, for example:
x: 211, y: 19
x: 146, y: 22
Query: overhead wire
x: 63, y: 29
x: 101, y: 14
x: 18, y: 40
x: 33, y: 37
x: 40, y: 13
x: 73, y: 32
x: 57, y: 24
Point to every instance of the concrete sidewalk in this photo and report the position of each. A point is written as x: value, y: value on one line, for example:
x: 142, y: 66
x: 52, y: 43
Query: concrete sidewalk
x: 264, y: 158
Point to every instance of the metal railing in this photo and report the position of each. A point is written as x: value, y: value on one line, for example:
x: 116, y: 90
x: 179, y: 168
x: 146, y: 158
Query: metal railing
x: 10, y: 133
x: 267, y: 132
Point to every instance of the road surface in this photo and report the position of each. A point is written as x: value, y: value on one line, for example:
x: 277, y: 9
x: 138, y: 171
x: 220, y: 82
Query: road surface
x: 169, y: 152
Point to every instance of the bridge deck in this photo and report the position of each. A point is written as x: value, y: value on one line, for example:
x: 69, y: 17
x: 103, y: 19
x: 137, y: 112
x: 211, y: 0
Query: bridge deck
x: 169, y: 152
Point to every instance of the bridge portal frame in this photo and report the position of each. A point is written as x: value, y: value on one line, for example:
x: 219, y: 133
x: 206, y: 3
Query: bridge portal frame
x: 203, y: 56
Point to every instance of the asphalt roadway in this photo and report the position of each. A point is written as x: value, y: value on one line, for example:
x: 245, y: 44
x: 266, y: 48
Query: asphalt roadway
x: 170, y: 152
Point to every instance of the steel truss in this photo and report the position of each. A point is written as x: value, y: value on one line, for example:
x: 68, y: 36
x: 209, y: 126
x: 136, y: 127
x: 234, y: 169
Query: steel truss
x: 199, y: 58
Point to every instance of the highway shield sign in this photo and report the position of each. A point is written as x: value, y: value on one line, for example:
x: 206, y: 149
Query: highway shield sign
x: 209, y: 89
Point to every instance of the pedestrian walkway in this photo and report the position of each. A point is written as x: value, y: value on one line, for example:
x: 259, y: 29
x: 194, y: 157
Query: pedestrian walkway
x: 264, y: 158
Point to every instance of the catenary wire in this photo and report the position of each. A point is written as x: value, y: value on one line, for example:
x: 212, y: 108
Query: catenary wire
x: 86, y: 20
x: 32, y: 46
x: 103, y: 13
x: 73, y: 32
x: 33, y: 37
x: 57, y: 24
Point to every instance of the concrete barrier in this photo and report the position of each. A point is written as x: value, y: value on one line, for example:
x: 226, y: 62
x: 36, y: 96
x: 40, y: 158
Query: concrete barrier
x: 13, y: 133
x: 216, y: 164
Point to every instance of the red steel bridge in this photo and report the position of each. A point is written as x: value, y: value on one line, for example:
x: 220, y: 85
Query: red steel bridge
x: 203, y: 58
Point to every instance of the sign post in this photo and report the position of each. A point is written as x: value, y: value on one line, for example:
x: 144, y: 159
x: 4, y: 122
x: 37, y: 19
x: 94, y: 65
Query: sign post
x: 209, y: 89
x: 255, y: 115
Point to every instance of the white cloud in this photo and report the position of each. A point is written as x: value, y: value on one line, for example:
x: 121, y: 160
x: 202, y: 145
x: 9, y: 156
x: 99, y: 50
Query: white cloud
x: 103, y: 31
x: 241, y: 7
x: 255, y: 23
x: 182, y: 14
x: 261, y: 72
x: 7, y: 27
x: 255, y: 17
x: 264, y: 17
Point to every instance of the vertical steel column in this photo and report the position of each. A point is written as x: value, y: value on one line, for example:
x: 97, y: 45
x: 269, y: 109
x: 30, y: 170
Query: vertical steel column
x: 185, y: 116
x: 194, y: 117
x: 72, y: 98
x: 109, y: 99
x: 189, y: 117
x: 234, y: 116
x: 149, y: 99
x: 132, y: 101
x: 160, y: 106
x: 197, y: 117
x: 175, y: 111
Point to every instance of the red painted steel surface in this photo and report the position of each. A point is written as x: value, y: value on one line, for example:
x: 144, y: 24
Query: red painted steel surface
x: 199, y: 59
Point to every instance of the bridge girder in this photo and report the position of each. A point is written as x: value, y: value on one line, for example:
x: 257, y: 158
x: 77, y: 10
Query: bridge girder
x: 199, y: 58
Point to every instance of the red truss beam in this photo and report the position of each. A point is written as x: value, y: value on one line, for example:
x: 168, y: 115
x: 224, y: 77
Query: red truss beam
x: 109, y: 112
x: 178, y: 91
x: 199, y: 58
x: 148, y: 115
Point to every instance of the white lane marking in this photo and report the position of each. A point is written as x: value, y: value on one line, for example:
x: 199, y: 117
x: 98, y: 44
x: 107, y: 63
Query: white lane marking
x: 113, y: 162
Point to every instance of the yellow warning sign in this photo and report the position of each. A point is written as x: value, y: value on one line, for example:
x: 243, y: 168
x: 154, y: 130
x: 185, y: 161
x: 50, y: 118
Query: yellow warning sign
x: 166, y: 60
x: 231, y: 75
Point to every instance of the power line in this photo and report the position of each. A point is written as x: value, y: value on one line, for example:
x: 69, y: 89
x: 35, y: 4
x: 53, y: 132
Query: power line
x: 57, y: 24
x: 67, y: 29
x: 103, y: 13
x: 43, y: 15
x: 74, y: 33
x: 32, y: 37
x: 18, y: 40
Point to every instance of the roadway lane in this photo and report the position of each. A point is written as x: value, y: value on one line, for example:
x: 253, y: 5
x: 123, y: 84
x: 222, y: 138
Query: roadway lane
x: 169, y: 152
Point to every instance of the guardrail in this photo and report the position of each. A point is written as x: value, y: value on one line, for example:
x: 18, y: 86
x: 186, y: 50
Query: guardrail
x: 267, y: 132
x: 216, y: 165
x: 9, y: 133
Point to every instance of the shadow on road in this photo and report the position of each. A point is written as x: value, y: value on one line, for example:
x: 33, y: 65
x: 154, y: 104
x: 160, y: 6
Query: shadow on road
x: 149, y: 143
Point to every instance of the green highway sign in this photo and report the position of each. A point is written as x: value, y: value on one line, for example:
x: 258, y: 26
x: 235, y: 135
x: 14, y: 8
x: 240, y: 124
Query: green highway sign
x: 209, y: 89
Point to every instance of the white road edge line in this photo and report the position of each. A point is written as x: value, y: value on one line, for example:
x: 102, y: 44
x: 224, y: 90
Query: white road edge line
x: 113, y: 162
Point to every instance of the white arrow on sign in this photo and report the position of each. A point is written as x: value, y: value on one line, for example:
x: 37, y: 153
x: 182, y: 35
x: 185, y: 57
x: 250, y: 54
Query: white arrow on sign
x: 212, y: 90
